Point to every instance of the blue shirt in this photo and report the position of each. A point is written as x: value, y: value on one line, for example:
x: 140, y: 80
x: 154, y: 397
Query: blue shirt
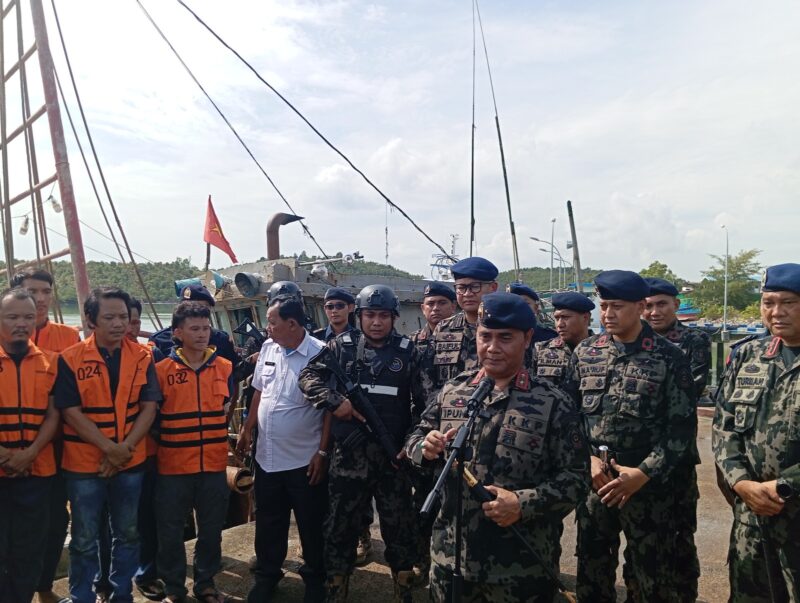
x: 289, y: 427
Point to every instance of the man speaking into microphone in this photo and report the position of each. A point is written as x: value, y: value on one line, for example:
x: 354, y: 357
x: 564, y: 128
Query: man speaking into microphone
x: 526, y: 447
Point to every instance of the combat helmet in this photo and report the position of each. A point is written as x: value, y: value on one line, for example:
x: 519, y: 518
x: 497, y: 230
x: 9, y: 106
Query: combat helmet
x: 377, y: 297
x: 285, y: 289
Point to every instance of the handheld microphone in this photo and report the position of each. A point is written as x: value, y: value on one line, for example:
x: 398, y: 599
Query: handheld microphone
x: 484, y: 388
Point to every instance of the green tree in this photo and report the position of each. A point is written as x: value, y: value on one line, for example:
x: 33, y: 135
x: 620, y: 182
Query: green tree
x: 661, y: 270
x: 743, y: 269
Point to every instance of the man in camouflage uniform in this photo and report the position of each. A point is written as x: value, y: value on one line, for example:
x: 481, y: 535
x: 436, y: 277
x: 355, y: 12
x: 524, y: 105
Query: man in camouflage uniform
x: 544, y: 323
x: 528, y: 444
x: 438, y: 303
x: 637, y: 399
x: 660, y: 310
x: 756, y: 442
x: 453, y: 348
x: 572, y: 312
x: 387, y: 366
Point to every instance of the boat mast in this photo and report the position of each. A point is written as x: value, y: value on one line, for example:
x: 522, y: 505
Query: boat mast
x: 576, y: 257
x: 71, y: 221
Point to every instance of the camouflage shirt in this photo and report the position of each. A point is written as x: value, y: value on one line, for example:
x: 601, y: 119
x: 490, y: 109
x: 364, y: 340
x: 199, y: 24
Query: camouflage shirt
x: 551, y: 359
x: 422, y: 337
x: 637, y: 399
x: 756, y: 433
x: 696, y: 344
x: 530, y: 442
x: 453, y: 349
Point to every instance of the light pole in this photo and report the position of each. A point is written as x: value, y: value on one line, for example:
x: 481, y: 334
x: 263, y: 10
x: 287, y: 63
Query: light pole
x: 563, y: 265
x: 725, y: 291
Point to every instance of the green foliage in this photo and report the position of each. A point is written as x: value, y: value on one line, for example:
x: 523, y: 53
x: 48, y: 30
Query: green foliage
x: 661, y: 270
x: 539, y: 278
x: 158, y: 277
x: 751, y: 312
x: 742, y: 286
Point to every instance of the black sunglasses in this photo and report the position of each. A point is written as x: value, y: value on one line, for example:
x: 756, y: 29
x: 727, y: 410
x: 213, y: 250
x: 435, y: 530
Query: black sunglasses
x: 336, y: 306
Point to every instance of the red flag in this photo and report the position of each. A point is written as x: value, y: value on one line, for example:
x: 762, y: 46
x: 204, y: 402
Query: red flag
x: 213, y: 233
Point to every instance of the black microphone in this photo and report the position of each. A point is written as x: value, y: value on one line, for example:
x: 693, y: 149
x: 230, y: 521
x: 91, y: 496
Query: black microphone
x: 484, y: 388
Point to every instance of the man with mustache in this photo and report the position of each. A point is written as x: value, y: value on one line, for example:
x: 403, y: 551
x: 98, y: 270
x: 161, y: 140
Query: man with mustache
x: 756, y: 442
x: 28, y: 422
x: 53, y: 337
x: 637, y: 400
x: 107, y: 391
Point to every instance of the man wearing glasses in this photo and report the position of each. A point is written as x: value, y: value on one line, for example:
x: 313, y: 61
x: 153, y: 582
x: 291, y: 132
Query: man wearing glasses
x: 339, y: 306
x: 454, y: 349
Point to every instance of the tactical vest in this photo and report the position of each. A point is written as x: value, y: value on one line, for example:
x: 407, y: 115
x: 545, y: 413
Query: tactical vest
x: 388, y: 391
x: 114, y: 418
x: 552, y: 359
x: 621, y: 410
x: 55, y: 337
x: 24, y: 398
x: 193, y: 432
x: 452, y: 349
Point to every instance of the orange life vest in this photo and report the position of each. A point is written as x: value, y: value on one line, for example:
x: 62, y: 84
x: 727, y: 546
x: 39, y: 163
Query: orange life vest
x: 193, y: 431
x: 55, y: 337
x: 24, y: 399
x: 114, y: 418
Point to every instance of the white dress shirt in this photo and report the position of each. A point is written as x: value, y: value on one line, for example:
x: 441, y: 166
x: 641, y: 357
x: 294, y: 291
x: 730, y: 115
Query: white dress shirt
x: 289, y: 428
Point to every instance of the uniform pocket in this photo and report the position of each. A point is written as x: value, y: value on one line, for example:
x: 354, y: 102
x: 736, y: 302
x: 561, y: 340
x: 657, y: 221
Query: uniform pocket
x: 639, y: 406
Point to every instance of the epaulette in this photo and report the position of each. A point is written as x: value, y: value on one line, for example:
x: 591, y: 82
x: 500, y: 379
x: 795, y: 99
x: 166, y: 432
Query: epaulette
x: 736, y: 345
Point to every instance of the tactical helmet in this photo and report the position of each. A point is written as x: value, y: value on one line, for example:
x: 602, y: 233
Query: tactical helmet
x: 284, y: 289
x: 377, y: 297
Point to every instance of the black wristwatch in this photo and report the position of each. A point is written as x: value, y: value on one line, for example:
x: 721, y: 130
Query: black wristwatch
x: 785, y: 489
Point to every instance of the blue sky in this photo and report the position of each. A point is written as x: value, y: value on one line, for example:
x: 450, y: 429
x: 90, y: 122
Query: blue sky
x: 660, y: 121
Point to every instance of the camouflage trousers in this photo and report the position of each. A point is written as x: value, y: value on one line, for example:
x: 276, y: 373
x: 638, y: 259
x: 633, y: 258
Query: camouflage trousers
x: 747, y: 569
x: 646, y: 522
x: 686, y: 565
x: 522, y: 589
x: 423, y: 481
x: 355, y: 477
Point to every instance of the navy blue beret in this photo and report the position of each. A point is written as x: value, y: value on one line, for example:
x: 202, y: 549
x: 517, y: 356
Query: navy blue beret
x: 505, y: 311
x: 571, y: 300
x: 522, y: 289
x: 478, y: 268
x: 658, y: 286
x: 621, y: 284
x: 197, y: 293
x: 340, y: 294
x: 439, y: 289
x: 782, y: 277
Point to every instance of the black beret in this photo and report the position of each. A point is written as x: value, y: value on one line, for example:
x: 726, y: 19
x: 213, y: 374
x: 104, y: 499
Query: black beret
x: 571, y: 300
x: 782, y: 277
x: 340, y: 294
x: 439, y: 289
x: 474, y: 267
x: 505, y: 311
x: 621, y: 284
x: 658, y: 286
x: 522, y: 289
x: 197, y: 293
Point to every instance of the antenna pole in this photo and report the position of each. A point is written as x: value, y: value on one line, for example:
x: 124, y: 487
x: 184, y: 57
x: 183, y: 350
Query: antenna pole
x: 576, y: 257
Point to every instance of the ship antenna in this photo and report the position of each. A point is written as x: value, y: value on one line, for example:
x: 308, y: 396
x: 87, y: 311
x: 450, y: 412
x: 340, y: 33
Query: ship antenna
x: 500, y: 141
x: 472, y: 151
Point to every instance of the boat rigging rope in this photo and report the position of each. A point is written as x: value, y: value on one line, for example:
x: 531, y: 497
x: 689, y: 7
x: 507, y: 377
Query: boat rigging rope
x: 472, y: 245
x: 230, y: 125
x: 313, y: 128
x: 135, y: 266
x: 502, y: 152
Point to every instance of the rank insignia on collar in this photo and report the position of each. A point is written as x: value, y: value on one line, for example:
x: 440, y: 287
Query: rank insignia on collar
x: 774, y: 347
x: 523, y: 381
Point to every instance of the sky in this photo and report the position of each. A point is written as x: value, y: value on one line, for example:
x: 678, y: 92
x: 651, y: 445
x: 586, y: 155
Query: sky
x: 662, y: 122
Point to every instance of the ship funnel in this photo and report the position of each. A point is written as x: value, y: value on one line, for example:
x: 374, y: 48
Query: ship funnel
x: 273, y: 239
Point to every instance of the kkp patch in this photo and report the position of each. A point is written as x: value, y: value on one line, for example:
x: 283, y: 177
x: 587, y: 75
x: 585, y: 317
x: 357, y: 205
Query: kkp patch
x: 396, y: 365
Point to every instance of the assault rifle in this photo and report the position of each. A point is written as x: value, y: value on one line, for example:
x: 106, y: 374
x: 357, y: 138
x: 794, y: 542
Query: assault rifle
x: 372, y: 425
x: 247, y: 328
